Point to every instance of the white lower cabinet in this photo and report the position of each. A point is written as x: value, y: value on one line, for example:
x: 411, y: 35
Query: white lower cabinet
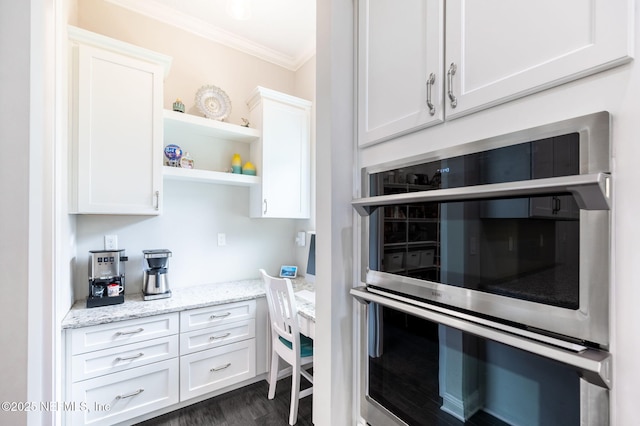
x: 217, y: 347
x: 122, y: 370
x: 121, y: 396
x: 213, y: 369
x: 119, y: 371
x: 112, y: 360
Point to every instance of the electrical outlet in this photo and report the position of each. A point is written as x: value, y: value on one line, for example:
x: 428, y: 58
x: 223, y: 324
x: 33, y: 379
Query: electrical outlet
x: 222, y: 239
x: 110, y: 242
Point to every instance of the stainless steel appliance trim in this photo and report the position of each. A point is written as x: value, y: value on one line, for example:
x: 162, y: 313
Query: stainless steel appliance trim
x: 590, y: 191
x: 594, y: 405
x: 594, y: 365
x: 589, y: 322
x: 595, y: 149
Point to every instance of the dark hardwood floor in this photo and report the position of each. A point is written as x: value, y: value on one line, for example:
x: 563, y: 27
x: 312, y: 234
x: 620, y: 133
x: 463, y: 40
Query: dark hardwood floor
x: 243, y: 407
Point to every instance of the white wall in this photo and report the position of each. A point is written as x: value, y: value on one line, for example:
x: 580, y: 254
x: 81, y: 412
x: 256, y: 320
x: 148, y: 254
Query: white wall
x: 616, y: 91
x: 26, y: 213
x: 305, y: 88
x: 333, y: 370
x: 194, y: 213
x: 15, y: 39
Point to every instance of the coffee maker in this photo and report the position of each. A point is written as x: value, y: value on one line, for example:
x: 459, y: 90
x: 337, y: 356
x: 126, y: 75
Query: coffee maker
x: 106, y: 277
x: 155, y: 284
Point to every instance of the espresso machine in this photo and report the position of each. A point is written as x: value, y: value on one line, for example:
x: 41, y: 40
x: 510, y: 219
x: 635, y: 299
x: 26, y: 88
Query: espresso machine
x: 155, y: 283
x: 106, y: 277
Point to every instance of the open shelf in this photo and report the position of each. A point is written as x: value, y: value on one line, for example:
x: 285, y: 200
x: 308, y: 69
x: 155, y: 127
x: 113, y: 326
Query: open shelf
x: 208, y: 176
x: 180, y: 123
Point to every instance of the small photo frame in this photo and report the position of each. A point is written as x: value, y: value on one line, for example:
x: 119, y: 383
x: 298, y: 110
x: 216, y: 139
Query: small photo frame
x: 287, y: 271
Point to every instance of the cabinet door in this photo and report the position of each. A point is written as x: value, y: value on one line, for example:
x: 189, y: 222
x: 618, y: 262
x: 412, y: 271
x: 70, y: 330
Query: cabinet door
x: 400, y: 46
x: 207, y: 371
x: 118, y: 397
x: 118, y: 113
x: 505, y: 49
x: 282, y: 155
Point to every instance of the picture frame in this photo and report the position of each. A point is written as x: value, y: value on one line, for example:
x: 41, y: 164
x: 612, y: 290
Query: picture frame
x: 288, y: 271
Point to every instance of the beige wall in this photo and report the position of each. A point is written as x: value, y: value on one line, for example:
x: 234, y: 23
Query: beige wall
x: 196, y: 61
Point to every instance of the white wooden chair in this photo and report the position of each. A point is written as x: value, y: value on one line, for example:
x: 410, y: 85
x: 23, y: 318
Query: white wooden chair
x: 286, y: 341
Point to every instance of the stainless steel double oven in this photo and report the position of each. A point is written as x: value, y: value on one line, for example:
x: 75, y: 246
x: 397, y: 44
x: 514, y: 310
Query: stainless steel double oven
x: 486, y: 270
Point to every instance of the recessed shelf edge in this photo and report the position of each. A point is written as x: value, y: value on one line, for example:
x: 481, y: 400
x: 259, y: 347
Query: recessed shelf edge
x: 188, y: 123
x: 209, y: 176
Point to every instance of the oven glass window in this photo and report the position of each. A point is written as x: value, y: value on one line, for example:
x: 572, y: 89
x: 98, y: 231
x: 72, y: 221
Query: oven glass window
x: 431, y: 374
x: 525, y: 248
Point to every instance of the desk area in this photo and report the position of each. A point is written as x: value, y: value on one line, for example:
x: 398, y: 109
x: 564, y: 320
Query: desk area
x: 168, y: 349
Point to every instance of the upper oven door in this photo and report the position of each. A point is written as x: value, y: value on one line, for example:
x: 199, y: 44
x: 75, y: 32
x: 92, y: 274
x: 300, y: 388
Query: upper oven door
x: 516, y: 228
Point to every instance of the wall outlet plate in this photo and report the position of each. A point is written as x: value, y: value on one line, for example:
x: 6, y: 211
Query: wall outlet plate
x: 110, y: 242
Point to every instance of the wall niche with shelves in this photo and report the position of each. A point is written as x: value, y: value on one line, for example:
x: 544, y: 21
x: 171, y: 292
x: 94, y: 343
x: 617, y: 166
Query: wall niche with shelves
x: 211, y: 144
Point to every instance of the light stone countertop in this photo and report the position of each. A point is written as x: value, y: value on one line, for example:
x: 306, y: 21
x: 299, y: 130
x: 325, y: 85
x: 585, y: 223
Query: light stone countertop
x: 181, y: 299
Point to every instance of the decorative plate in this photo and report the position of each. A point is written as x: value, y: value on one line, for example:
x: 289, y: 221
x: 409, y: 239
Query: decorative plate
x: 213, y: 102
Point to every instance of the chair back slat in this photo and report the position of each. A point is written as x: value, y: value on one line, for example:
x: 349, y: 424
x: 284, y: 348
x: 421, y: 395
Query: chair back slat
x: 283, y: 312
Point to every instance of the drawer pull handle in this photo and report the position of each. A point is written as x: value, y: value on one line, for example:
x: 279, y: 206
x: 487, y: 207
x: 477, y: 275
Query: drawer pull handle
x: 214, y: 316
x: 129, y: 395
x: 220, y: 337
x: 227, y: 365
x: 127, y: 358
x: 124, y: 333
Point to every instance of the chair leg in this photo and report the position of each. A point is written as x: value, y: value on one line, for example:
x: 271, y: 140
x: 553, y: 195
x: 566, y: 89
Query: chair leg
x: 295, y: 395
x: 273, y: 374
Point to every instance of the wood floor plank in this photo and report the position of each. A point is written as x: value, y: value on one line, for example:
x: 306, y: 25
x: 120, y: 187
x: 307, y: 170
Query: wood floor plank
x: 248, y: 406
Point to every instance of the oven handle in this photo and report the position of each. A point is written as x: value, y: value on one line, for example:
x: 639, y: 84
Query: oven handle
x: 591, y: 192
x: 594, y: 365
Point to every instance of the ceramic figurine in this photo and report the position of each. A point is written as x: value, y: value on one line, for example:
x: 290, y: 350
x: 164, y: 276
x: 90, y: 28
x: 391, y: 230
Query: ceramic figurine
x: 178, y: 106
x: 186, y: 162
x: 236, y: 164
x: 249, y: 169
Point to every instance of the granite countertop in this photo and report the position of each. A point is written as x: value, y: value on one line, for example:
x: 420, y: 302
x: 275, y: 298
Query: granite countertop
x: 181, y: 299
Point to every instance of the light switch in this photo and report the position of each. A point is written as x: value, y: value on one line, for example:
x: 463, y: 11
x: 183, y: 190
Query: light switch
x: 222, y: 239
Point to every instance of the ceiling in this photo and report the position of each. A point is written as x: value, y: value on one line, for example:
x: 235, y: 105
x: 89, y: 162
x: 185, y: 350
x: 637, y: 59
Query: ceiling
x: 279, y: 31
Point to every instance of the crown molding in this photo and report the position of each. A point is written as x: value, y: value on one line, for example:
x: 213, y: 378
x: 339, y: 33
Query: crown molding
x: 202, y: 29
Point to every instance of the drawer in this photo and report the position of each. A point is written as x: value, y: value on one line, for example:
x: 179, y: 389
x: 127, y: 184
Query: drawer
x: 93, y: 364
x: 122, y: 396
x: 213, y: 369
x: 105, y: 336
x: 212, y: 337
x: 196, y: 319
x: 307, y: 327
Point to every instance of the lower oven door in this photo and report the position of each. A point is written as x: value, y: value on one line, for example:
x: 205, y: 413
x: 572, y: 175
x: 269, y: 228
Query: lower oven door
x: 424, y: 367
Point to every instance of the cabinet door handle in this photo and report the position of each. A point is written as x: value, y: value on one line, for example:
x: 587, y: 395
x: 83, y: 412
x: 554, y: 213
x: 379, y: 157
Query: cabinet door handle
x: 214, y: 369
x: 452, y: 71
x: 127, y: 358
x: 222, y: 336
x: 129, y: 395
x: 214, y: 316
x: 265, y: 206
x: 124, y: 333
x: 157, y: 196
x: 430, y: 81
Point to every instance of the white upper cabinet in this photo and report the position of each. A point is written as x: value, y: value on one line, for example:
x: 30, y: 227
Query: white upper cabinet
x: 281, y: 156
x: 400, y: 55
x: 116, y: 122
x: 494, y: 51
x: 505, y: 49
